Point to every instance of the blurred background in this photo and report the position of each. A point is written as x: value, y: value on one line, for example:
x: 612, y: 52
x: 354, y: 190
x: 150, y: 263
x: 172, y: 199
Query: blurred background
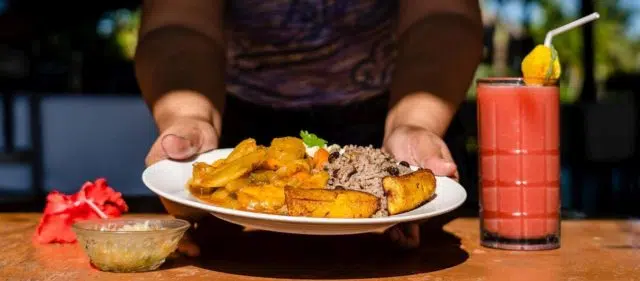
x: 71, y: 109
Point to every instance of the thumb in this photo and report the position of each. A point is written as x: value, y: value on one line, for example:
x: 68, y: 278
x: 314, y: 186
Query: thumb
x: 439, y: 166
x: 177, y: 142
x: 179, y: 146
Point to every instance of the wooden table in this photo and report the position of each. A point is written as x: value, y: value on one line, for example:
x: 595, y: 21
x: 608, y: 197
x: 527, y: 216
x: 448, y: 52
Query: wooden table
x: 591, y: 250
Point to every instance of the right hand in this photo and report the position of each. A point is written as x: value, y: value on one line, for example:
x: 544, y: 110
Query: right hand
x: 182, y: 139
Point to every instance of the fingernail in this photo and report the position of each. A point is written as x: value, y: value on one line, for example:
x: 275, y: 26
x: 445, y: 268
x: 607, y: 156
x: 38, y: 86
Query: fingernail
x: 175, y: 145
x: 175, y: 136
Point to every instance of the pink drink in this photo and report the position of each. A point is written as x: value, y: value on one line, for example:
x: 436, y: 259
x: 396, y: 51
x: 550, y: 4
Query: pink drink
x: 519, y: 164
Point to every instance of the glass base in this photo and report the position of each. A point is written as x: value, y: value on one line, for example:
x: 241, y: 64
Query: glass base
x: 491, y: 240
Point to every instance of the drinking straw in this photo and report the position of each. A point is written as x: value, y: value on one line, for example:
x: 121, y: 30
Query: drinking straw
x: 569, y: 26
x: 96, y: 209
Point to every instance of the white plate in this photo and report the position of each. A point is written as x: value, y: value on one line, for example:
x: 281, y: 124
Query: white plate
x: 168, y: 179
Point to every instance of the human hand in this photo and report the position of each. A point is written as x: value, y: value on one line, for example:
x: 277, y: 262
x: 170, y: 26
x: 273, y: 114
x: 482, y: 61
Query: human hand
x: 182, y: 139
x: 420, y: 147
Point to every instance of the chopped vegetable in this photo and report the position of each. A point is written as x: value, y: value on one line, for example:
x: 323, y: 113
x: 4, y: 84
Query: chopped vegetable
x: 320, y: 158
x: 312, y: 140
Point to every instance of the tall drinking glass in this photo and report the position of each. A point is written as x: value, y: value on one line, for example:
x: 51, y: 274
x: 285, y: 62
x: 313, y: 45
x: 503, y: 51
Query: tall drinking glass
x: 518, y: 135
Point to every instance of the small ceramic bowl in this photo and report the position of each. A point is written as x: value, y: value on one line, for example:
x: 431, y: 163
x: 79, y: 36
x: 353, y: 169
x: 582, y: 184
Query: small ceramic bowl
x: 129, y: 245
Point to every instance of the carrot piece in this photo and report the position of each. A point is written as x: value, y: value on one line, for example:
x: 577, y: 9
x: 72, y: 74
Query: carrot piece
x: 320, y: 158
x: 271, y: 164
x: 302, y: 175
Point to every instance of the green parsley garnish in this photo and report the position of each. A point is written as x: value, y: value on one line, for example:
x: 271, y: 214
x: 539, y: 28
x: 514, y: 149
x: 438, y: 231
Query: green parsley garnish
x: 312, y: 140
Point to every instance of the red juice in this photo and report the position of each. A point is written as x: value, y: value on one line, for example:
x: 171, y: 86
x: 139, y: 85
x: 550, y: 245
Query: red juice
x: 518, y: 136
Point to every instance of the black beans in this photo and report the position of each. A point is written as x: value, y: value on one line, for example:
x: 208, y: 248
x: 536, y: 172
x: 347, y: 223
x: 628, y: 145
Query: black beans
x: 333, y: 156
x: 404, y: 163
x: 392, y: 170
x: 335, y: 173
x: 339, y: 187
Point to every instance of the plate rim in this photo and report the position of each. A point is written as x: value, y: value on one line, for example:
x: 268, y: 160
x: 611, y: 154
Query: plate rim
x: 293, y: 219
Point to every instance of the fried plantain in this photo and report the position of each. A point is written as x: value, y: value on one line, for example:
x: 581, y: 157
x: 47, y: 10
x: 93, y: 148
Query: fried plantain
x: 223, y: 198
x: 229, y: 171
x: 407, y: 192
x: 262, y: 198
x: 243, y: 148
x: 325, y: 203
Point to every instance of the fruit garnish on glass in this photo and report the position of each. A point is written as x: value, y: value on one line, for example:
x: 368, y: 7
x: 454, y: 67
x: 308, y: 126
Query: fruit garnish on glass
x: 541, y: 66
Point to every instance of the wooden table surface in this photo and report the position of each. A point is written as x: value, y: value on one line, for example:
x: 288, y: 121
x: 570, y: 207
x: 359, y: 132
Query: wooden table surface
x: 591, y: 250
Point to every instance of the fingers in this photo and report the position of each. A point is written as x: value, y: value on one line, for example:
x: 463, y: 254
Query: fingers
x: 179, y: 147
x: 394, y: 234
x: 187, y: 247
x: 183, y: 140
x: 446, y: 154
x: 174, y: 144
x: 184, y: 212
x: 156, y: 153
x: 440, y: 166
x: 411, y: 235
x: 423, y: 149
x: 444, y: 151
x: 405, y: 235
x: 433, y: 154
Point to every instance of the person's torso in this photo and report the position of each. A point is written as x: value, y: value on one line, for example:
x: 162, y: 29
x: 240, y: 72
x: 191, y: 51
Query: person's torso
x: 292, y: 53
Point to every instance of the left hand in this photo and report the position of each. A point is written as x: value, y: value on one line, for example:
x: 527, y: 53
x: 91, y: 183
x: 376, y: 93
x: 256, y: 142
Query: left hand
x: 422, y: 148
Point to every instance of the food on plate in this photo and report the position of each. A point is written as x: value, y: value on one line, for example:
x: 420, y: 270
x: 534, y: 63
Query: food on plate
x: 362, y: 168
x: 307, y: 177
x: 266, y: 198
x: 326, y: 203
x: 406, y: 192
x: 212, y: 176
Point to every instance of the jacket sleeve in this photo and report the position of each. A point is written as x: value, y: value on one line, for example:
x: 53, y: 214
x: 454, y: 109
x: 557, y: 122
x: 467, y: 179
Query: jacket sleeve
x: 439, y: 48
x: 181, y: 47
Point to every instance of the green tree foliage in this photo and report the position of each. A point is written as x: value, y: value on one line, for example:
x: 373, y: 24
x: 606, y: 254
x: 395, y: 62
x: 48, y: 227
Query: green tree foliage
x: 614, y: 50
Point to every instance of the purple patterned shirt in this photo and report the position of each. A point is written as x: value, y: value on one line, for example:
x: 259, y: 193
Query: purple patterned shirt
x: 296, y: 53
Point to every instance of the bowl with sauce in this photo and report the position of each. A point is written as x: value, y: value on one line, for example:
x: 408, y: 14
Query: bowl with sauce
x: 129, y: 244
